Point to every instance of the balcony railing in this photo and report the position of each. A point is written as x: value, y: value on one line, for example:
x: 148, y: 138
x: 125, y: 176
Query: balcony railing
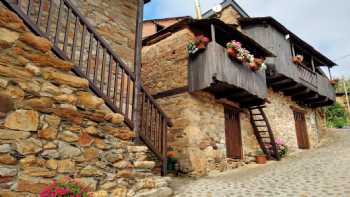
x: 307, y: 76
x: 213, y: 66
x: 325, y: 88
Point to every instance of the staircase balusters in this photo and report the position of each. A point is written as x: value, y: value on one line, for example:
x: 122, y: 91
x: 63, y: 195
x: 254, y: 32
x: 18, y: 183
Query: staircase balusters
x: 54, y: 20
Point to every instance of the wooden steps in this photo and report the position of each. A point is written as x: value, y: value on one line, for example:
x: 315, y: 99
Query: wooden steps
x: 265, y: 137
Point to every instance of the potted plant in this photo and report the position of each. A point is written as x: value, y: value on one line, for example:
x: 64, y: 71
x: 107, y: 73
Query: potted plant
x: 298, y: 59
x: 172, y: 160
x: 68, y: 187
x: 233, y: 48
x: 282, y: 148
x: 334, y: 82
x: 200, y: 43
x: 260, y: 157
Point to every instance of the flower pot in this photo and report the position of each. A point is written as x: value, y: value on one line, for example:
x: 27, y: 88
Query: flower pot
x: 254, y: 67
x: 171, y: 154
x: 333, y: 82
x: 231, y: 52
x: 298, y: 59
x: 201, y: 46
x: 260, y: 159
x: 258, y: 61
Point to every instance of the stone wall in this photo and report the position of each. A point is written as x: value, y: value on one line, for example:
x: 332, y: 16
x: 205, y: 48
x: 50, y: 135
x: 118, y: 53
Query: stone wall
x: 229, y: 15
x: 115, y: 21
x: 282, y: 121
x: 52, y: 126
x: 165, y: 64
x: 198, y: 134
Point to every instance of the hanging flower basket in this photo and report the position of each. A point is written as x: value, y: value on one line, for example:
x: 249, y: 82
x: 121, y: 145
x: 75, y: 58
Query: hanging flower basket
x: 197, y: 45
x: 298, y: 59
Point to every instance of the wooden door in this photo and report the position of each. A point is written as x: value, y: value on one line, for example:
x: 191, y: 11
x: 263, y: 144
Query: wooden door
x: 301, y: 130
x: 233, y: 134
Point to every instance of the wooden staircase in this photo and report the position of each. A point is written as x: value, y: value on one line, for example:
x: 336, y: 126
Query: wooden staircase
x: 74, y: 39
x: 263, y: 132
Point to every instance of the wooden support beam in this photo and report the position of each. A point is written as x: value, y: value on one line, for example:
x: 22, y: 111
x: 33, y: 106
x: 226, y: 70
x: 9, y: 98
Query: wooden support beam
x: 296, y: 86
x: 326, y: 102
x: 312, y: 99
x: 301, y: 91
x: 281, y: 82
x: 279, y: 86
x: 302, y: 97
x: 137, y: 70
x: 171, y: 92
x: 275, y: 79
x: 256, y: 102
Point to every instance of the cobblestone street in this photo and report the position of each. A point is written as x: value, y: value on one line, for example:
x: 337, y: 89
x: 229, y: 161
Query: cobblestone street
x: 320, y: 172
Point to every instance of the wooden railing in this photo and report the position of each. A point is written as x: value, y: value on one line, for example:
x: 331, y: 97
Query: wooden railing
x: 325, y: 88
x: 307, y: 76
x: 76, y: 40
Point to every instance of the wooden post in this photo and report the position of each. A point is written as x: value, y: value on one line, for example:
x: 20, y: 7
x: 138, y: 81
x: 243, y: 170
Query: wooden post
x: 213, y: 34
x: 293, y: 50
x: 346, y: 95
x: 198, y: 9
x: 313, y: 64
x: 330, y: 74
x: 137, y: 69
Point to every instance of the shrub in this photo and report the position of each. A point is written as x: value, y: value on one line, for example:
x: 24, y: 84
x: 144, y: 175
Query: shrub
x: 336, y: 116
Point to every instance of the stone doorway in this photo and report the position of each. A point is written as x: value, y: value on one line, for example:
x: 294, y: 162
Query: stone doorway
x: 233, y: 134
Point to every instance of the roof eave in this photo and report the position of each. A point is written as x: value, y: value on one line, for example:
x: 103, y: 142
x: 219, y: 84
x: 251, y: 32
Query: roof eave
x: 283, y: 29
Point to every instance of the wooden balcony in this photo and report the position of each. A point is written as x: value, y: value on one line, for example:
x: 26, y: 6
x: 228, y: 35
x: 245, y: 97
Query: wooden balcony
x: 304, y: 85
x: 212, y: 70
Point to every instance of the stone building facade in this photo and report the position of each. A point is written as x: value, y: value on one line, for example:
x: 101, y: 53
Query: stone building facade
x: 115, y: 21
x: 52, y: 126
x: 198, y: 135
x: 151, y: 27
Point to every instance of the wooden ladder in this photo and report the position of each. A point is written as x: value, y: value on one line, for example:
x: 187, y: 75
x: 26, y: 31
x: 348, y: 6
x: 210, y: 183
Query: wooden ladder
x: 263, y: 132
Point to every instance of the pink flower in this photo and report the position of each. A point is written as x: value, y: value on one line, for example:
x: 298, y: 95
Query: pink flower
x: 45, y: 193
x: 205, y: 39
x: 62, y: 191
x: 280, y: 142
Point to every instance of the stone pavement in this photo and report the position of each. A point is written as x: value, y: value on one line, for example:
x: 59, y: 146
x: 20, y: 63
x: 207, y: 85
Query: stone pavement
x: 315, y: 173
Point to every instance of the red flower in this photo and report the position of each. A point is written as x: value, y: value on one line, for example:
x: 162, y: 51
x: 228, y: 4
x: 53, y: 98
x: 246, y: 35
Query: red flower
x: 62, y: 191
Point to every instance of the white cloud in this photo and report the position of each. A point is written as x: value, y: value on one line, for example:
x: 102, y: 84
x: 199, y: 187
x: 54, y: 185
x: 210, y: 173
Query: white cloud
x: 322, y: 23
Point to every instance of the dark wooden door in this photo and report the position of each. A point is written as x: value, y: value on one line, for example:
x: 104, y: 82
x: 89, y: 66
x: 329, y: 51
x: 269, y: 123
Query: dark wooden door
x: 301, y: 130
x: 233, y: 134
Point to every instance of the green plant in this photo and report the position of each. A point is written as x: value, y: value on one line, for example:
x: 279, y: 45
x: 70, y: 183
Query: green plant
x: 259, y: 153
x: 336, y: 116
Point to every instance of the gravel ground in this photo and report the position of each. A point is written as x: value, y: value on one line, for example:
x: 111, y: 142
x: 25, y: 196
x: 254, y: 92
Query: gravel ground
x: 324, y: 171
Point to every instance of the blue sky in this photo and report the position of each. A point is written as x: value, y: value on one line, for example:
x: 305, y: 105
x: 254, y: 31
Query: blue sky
x: 323, y: 24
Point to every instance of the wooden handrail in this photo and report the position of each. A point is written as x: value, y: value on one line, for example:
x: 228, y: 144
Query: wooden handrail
x: 94, y: 59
